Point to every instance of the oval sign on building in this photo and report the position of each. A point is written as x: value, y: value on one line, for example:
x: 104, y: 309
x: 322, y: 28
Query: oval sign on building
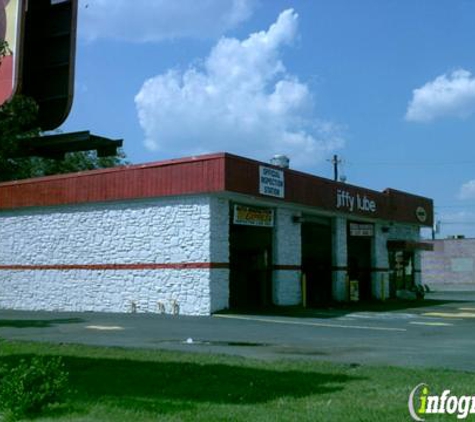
x: 11, y: 21
x: 421, y: 214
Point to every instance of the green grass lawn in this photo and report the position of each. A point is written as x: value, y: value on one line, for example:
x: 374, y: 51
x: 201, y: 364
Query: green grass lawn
x: 112, y: 384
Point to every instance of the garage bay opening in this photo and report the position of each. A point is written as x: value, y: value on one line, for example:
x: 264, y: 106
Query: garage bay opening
x: 251, y: 233
x: 317, y: 260
x: 360, y: 237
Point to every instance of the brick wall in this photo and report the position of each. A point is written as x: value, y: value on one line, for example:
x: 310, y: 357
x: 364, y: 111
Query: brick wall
x: 450, y: 264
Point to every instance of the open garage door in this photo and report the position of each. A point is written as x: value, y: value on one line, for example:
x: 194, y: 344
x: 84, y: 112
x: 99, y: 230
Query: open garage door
x: 317, y: 260
x: 251, y: 258
x: 360, y: 238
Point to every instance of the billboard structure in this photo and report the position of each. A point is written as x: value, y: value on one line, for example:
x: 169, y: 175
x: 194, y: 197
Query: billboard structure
x: 11, y: 30
x: 38, y: 62
x: 49, y: 57
x: 40, y: 56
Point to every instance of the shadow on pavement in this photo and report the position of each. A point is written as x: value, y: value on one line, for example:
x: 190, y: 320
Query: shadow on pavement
x: 37, y: 323
x: 336, y: 310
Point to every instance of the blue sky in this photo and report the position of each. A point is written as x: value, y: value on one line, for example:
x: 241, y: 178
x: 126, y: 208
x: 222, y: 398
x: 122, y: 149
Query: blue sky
x: 388, y: 85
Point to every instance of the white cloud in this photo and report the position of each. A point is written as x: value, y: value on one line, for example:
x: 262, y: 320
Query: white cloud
x: 240, y: 100
x: 467, y: 190
x: 451, y: 95
x: 156, y: 20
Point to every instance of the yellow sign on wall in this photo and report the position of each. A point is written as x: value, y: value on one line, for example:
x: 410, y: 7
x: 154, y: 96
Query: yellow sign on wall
x: 250, y: 216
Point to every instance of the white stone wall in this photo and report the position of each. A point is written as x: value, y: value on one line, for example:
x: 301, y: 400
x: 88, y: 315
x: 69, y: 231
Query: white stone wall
x: 286, y: 283
x: 340, y: 259
x: 219, y: 252
x: 380, y: 258
x: 184, y: 292
x: 219, y: 230
x: 159, y: 231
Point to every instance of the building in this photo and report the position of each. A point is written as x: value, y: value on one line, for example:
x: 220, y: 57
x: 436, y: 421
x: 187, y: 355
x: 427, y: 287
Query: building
x: 450, y: 265
x: 198, y: 235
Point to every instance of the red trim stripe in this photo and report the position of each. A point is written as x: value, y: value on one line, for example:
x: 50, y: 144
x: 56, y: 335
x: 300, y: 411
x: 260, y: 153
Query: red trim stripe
x: 96, y: 267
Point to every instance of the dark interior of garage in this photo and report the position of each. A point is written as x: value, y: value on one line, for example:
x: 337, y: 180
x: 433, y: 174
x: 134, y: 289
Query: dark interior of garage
x: 250, y: 266
x: 359, y: 264
x: 401, y: 271
x: 317, y: 261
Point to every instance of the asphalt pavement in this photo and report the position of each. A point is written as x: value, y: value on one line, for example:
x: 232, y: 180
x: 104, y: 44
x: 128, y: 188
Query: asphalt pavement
x: 439, y: 332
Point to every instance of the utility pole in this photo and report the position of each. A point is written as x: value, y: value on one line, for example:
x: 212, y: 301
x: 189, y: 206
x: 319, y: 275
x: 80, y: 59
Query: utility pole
x: 435, y: 229
x: 335, y: 161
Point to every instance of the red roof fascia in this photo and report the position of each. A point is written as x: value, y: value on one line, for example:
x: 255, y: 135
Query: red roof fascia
x: 242, y: 175
x: 173, y: 177
x: 203, y: 174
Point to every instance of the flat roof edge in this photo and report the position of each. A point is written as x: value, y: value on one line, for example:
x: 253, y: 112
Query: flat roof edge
x: 122, y: 168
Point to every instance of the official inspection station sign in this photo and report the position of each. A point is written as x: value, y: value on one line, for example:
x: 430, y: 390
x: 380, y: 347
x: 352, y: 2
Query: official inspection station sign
x: 271, y: 182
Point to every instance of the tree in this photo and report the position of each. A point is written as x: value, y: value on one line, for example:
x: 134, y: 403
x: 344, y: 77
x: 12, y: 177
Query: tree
x: 18, y: 121
x: 17, y: 118
x: 73, y: 162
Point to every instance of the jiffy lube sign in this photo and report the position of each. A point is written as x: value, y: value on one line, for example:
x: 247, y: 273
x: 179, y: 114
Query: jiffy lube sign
x: 354, y: 202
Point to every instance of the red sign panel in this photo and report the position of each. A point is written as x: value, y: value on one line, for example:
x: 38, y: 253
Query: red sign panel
x: 11, y: 18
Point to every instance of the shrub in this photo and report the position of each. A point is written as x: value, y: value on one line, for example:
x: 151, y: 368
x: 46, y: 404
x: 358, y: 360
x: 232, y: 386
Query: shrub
x: 29, y: 387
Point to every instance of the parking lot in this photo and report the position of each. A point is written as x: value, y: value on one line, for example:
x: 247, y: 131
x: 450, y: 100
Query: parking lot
x: 437, y: 333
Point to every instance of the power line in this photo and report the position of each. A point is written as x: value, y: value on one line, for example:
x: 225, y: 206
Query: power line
x: 413, y: 164
x: 455, y: 206
x: 468, y: 223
